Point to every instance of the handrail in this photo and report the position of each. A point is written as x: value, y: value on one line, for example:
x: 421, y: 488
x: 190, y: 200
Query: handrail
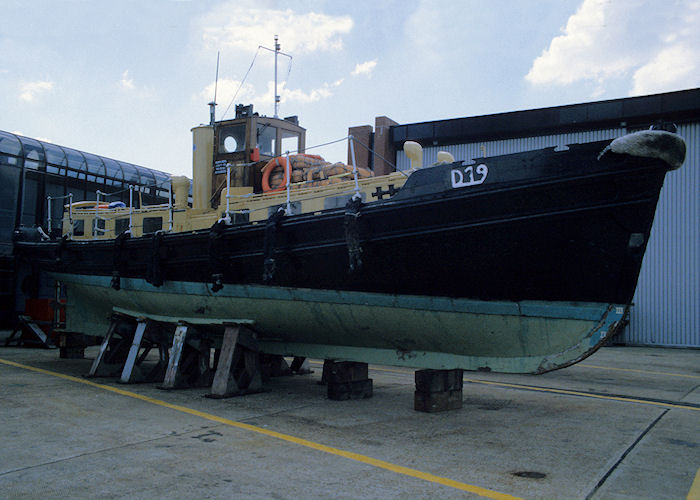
x: 70, y: 211
x: 354, y: 166
x: 170, y: 206
x: 288, y: 209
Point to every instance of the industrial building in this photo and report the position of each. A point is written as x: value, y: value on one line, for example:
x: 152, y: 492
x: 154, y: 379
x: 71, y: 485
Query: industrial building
x: 666, y: 308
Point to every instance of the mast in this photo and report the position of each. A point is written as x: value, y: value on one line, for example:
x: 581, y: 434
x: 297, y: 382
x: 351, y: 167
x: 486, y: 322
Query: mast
x: 212, y: 104
x: 277, y: 52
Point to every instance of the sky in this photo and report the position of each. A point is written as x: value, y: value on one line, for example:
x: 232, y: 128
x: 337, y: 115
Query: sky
x: 129, y: 79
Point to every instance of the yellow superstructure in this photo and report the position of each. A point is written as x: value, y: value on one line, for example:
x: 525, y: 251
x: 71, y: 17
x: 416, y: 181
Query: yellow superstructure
x: 225, y: 185
x: 243, y: 207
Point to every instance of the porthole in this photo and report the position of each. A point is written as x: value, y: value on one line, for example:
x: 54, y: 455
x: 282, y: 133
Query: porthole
x: 230, y: 144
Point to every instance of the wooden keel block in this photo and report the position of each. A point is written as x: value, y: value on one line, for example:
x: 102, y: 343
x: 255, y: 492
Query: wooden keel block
x: 437, y: 401
x: 348, y: 371
x: 348, y: 380
x: 71, y: 345
x: 438, y: 390
x: 438, y: 380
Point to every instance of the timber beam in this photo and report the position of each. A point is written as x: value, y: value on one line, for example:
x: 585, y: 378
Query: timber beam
x: 114, y: 348
x: 238, y: 369
x: 190, y: 359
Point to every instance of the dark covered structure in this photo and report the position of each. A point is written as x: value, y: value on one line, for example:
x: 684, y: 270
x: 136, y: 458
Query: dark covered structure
x: 31, y: 170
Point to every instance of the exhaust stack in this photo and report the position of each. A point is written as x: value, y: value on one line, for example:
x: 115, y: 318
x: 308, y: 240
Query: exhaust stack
x: 202, y: 157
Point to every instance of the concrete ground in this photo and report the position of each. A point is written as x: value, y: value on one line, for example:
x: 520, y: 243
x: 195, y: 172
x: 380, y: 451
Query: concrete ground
x: 624, y: 423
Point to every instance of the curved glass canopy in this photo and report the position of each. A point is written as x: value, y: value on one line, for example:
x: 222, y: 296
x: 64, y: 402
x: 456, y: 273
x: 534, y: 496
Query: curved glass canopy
x: 63, y: 161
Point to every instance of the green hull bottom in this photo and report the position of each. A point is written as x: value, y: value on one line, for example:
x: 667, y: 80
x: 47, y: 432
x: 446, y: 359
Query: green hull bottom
x: 400, y: 330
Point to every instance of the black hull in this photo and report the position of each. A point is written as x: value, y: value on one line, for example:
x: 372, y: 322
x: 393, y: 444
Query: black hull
x: 546, y: 225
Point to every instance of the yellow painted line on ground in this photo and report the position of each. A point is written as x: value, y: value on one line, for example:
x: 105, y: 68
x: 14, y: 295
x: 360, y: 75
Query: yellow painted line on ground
x: 582, y: 365
x: 560, y: 391
x: 381, y: 464
x: 647, y: 372
x: 694, y: 493
x: 585, y: 394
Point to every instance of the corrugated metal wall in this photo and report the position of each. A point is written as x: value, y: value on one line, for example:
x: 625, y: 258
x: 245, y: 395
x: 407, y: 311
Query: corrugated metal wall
x: 667, y: 300
x: 467, y: 152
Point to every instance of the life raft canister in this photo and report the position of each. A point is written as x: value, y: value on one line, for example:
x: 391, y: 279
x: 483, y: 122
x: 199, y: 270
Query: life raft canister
x: 280, y: 161
x: 87, y: 204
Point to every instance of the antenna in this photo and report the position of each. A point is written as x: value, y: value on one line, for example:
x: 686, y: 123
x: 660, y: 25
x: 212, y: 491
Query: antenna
x: 277, y: 52
x: 212, y: 105
x: 277, y: 97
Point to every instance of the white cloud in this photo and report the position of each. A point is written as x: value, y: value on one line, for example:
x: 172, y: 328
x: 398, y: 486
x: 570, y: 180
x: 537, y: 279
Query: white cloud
x: 227, y: 90
x: 29, y: 90
x: 668, y: 70
x: 364, y: 68
x: 580, y: 52
x: 651, y: 45
x: 298, y: 95
x: 434, y: 33
x: 676, y: 65
x: 240, y: 27
x: 126, y: 82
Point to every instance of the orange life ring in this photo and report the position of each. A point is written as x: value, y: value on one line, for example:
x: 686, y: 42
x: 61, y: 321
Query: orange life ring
x: 282, y: 162
x: 267, y: 170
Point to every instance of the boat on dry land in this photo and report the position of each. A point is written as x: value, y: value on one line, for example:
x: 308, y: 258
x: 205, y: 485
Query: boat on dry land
x: 524, y: 263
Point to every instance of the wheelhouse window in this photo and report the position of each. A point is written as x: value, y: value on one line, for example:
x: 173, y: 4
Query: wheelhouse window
x: 267, y: 135
x: 290, y: 141
x: 232, y: 139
